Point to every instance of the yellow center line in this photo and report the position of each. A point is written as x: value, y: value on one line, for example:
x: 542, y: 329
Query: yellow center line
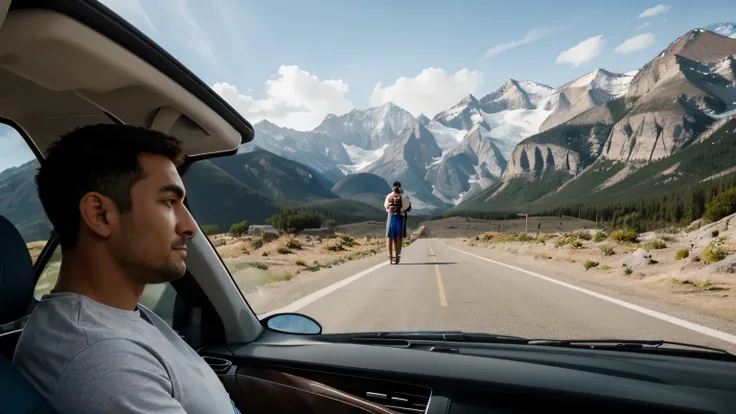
x: 440, y: 285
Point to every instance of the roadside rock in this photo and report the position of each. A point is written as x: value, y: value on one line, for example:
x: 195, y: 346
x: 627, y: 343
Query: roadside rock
x: 727, y: 265
x: 695, y: 225
x: 639, y: 258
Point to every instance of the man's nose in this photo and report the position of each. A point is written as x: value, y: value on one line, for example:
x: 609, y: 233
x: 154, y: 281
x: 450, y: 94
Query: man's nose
x: 186, y: 225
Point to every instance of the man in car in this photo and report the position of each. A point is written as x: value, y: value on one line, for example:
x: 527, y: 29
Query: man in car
x: 115, y: 199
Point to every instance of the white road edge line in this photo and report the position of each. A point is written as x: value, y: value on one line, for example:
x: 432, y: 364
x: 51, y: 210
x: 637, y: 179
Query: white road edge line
x: 313, y: 297
x: 659, y: 315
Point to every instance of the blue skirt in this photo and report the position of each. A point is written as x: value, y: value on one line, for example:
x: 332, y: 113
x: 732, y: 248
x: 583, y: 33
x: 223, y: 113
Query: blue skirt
x: 394, y: 226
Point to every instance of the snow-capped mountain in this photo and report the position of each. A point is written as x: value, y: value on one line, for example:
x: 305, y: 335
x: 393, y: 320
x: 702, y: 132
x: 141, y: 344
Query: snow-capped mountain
x: 516, y: 95
x: 474, y: 139
x: 586, y: 92
x: 317, y: 150
x: 368, y: 129
x: 476, y: 161
x: 723, y: 29
x: 463, y: 116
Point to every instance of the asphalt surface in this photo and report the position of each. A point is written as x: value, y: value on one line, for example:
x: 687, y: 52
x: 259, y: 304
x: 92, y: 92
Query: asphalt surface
x: 438, y: 288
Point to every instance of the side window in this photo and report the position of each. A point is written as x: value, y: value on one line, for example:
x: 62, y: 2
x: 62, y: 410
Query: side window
x: 50, y: 273
x: 160, y: 298
x: 19, y: 201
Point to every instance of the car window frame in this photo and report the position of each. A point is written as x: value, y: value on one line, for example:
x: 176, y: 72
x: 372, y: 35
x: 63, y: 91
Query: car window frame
x: 48, y: 249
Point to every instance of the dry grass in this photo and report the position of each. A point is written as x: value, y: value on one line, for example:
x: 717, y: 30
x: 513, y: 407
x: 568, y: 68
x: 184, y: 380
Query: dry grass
x: 288, y: 257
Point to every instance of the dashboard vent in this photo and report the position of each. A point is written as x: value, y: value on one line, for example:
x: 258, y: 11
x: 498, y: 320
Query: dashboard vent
x: 397, y: 396
x: 400, y: 401
x: 219, y: 365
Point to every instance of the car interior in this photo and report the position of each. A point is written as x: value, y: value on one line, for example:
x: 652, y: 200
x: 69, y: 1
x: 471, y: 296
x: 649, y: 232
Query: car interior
x: 69, y: 63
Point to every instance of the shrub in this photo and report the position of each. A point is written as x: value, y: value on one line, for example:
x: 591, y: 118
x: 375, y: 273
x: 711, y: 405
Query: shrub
x: 668, y: 238
x: 628, y: 270
x: 583, y: 235
x: 682, y: 254
x: 268, y: 237
x: 714, y: 233
x: 337, y: 247
x: 714, y: 253
x: 258, y: 265
x: 600, y: 236
x: 210, y: 229
x: 300, y: 262
x: 295, y: 221
x: 577, y: 244
x: 239, y: 229
x: 283, y: 250
x: 348, y: 241
x: 331, y: 225
x: 720, y: 206
x: 625, y: 236
x: 294, y: 244
x: 565, y: 240
x: 524, y: 237
x: 607, y: 250
x: 655, y: 245
x: 257, y: 243
x: 588, y: 264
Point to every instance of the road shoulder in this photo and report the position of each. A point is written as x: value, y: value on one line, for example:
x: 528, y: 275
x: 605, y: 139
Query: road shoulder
x: 623, y: 289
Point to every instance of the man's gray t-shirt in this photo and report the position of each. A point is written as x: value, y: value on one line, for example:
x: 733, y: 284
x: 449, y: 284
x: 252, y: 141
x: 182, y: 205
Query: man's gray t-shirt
x: 86, y: 357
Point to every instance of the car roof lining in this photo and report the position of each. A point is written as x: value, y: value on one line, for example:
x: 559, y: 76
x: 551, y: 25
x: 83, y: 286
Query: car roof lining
x: 57, y: 74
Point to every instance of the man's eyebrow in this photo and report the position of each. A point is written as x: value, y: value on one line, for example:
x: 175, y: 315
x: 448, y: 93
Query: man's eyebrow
x: 173, y: 188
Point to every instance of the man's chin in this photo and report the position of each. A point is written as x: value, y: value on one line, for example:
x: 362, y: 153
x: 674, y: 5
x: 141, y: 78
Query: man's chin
x: 170, y: 274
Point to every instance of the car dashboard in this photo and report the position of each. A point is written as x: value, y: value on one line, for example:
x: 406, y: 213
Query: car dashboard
x: 280, y: 373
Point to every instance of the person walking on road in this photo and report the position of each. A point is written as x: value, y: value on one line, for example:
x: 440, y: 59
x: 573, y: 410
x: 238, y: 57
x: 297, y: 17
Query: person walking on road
x: 395, y: 207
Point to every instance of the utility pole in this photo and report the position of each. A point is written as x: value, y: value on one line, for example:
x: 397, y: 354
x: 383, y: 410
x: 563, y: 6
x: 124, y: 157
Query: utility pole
x: 526, y: 223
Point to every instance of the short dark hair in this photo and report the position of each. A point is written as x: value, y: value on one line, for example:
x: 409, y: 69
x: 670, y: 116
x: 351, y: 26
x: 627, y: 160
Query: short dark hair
x: 102, y: 158
x: 397, y: 184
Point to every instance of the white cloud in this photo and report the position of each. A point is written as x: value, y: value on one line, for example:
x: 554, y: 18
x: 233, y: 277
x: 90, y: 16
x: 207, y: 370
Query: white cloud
x: 582, y: 52
x: 635, y: 43
x: 533, y: 35
x: 653, y: 11
x: 131, y: 10
x: 644, y: 26
x: 430, y: 92
x: 295, y: 99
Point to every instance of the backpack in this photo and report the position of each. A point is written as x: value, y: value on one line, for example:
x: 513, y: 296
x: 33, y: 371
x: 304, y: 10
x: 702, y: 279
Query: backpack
x: 394, y: 203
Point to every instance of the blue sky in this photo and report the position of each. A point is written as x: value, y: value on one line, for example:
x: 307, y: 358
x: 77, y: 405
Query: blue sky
x: 295, y: 61
x: 352, y: 46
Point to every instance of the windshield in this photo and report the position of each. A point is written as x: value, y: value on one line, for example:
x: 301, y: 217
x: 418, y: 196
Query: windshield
x: 535, y: 169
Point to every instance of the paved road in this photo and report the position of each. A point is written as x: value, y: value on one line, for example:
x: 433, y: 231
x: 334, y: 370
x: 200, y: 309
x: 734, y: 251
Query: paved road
x: 437, y: 288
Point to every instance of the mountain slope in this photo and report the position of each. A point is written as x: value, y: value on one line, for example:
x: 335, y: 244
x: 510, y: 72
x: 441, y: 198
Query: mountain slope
x: 19, y: 202
x: 678, y: 95
x: 316, y: 150
x: 368, y: 129
x: 407, y: 159
x: 475, y: 161
x: 215, y: 197
x: 277, y: 177
x: 591, y: 90
x: 516, y: 95
x: 366, y: 188
x: 723, y: 29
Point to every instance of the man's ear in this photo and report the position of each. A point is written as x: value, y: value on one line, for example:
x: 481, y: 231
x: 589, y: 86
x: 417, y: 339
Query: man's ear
x: 98, y: 213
